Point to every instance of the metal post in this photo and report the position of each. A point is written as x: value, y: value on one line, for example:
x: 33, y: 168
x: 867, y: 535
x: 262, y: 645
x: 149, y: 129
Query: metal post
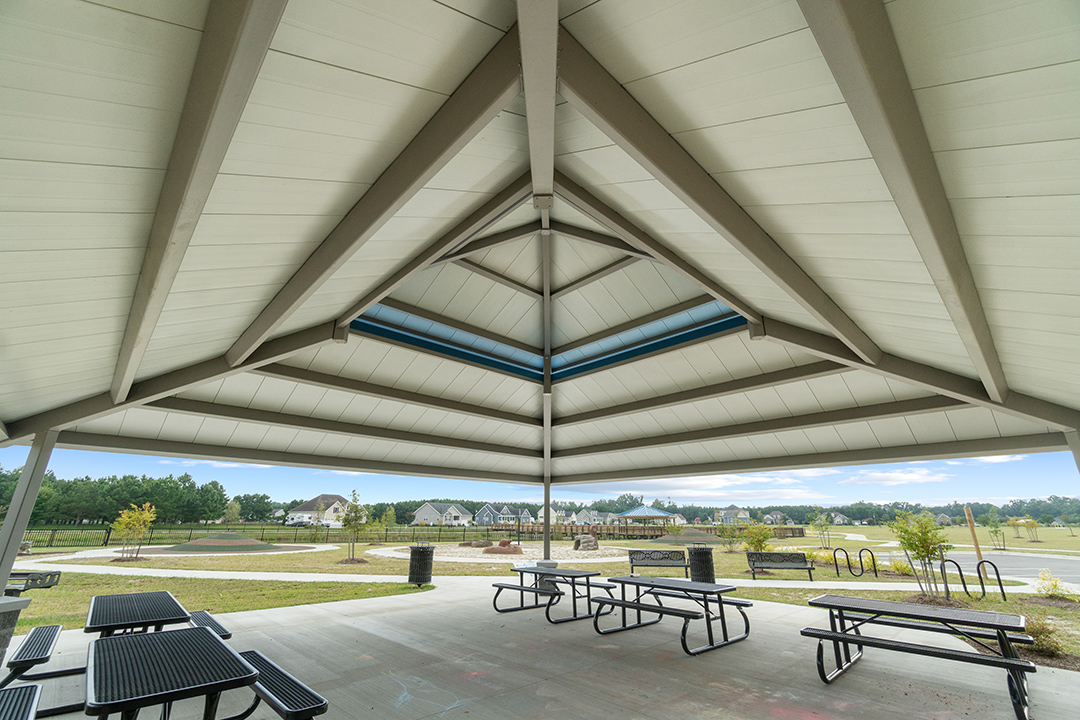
x: 22, y: 501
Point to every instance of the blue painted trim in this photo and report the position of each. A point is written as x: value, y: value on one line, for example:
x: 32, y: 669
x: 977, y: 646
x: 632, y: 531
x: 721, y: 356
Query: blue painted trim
x: 603, y: 361
x: 451, y: 351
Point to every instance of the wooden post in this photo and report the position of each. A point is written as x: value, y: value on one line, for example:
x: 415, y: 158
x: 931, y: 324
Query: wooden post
x: 975, y: 539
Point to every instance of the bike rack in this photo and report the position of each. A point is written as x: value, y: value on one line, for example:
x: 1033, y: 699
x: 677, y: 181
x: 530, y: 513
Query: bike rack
x: 862, y: 568
x: 978, y: 572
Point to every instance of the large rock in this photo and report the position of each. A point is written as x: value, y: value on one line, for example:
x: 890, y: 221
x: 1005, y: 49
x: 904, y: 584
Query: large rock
x: 586, y: 542
x: 503, y: 550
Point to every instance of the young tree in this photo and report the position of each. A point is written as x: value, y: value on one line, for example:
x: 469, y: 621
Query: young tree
x: 353, y: 520
x: 757, y: 536
x: 923, y: 540
x: 729, y: 535
x: 232, y: 513
x: 131, y: 527
x: 821, y: 523
x: 389, y: 518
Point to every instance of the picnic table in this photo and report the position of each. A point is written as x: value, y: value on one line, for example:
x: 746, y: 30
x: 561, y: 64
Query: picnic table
x: 646, y: 597
x: 849, y: 617
x: 133, y: 612
x: 128, y: 672
x: 541, y: 589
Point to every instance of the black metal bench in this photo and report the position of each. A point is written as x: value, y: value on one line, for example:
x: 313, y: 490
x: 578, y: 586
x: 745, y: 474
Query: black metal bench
x: 778, y: 561
x: 282, y: 693
x: 203, y: 618
x: 19, y: 703
x: 659, y: 558
x: 20, y: 582
x: 551, y: 594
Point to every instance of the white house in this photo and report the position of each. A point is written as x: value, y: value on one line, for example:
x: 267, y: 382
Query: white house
x: 732, y: 515
x: 558, y: 515
x: 441, y: 514
x: 501, y: 513
x: 325, y: 508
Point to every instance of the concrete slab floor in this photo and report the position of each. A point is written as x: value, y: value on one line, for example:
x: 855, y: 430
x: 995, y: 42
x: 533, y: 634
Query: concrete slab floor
x: 447, y: 654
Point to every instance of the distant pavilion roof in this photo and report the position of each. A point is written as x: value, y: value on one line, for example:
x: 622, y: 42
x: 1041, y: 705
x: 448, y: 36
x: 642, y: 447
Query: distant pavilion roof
x: 646, y: 512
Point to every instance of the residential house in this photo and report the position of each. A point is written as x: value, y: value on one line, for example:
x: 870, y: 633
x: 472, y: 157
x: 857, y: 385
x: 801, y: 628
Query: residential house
x: 944, y: 519
x: 840, y: 519
x: 501, y: 514
x: 732, y: 515
x: 325, y: 508
x: 557, y: 514
x: 589, y: 516
x: 442, y: 514
x: 774, y: 518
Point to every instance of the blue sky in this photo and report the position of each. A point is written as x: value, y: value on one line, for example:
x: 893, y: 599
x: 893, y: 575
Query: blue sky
x: 995, y: 479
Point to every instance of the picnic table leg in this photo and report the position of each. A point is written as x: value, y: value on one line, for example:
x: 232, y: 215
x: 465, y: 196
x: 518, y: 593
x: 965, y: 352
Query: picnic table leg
x: 844, y: 659
x: 1016, y: 680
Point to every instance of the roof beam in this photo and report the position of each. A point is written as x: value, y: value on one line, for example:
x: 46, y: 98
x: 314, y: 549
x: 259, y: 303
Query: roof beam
x: 591, y: 90
x: 483, y: 94
x: 801, y: 373
x: 173, y: 382
x: 23, y: 497
x: 595, y: 208
x: 503, y: 202
x: 538, y: 26
x: 858, y: 44
x: 486, y: 243
x: 499, y: 278
x: 1042, y: 442
x: 458, y: 325
x: 632, y: 324
x: 926, y: 377
x: 234, y: 42
x: 595, y: 238
x: 593, y: 277
x: 335, y: 427
x: 380, y: 392
x: 147, y: 446
x: 1072, y: 437
x: 3, y: 431
x: 903, y: 408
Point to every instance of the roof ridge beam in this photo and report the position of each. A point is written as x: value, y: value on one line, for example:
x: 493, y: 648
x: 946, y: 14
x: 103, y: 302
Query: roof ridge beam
x: 860, y: 48
x: 482, y: 95
x: 457, y: 325
x: 1042, y: 442
x: 800, y: 373
x: 361, y: 387
x: 538, y: 27
x: 595, y: 238
x: 926, y: 377
x: 234, y: 43
x: 503, y: 202
x: 172, y: 382
x: 861, y: 413
x: 335, y: 427
x: 593, y: 92
x: 148, y: 446
x: 594, y: 276
x: 486, y: 243
x: 599, y: 211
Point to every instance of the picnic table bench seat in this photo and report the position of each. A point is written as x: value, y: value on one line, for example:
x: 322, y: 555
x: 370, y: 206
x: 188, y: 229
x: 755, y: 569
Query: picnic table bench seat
x: 19, y: 703
x: 552, y: 595
x: 282, y: 693
x: 778, y: 561
x: 649, y: 607
x: 659, y: 558
x: 203, y: 618
x: 733, y: 601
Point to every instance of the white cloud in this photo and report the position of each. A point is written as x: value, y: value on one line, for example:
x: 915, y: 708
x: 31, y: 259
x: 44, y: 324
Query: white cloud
x: 895, y: 477
x: 1000, y: 458
x: 211, y: 463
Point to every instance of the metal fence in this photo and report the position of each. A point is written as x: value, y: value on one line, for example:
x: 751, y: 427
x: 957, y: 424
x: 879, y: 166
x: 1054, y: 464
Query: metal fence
x: 101, y: 536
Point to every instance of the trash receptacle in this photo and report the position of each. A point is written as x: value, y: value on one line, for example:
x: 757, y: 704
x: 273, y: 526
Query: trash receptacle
x: 701, y: 566
x: 421, y: 556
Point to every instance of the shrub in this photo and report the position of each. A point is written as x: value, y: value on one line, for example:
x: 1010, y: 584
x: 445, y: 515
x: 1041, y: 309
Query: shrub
x: 900, y: 566
x: 1050, y: 586
x: 1041, y: 630
x: 757, y: 537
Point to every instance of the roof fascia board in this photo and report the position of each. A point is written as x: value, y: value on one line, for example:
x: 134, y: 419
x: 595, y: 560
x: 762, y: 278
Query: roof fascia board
x: 234, y: 43
x: 359, y: 387
x: 1043, y: 442
x: 593, y: 92
x: 486, y: 243
x: 860, y: 48
x: 594, y: 276
x: 148, y: 446
x: 801, y: 373
x: 506, y: 200
x: 589, y: 236
x: 864, y: 413
x: 483, y: 94
x: 500, y: 279
x: 265, y: 417
x: 595, y: 208
x: 926, y: 377
x: 172, y: 382
x: 457, y: 325
x: 538, y: 28
x: 632, y: 324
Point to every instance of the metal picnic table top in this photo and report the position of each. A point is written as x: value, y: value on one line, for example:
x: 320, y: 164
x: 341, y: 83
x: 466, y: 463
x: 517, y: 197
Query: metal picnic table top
x: 109, y: 613
x: 915, y: 611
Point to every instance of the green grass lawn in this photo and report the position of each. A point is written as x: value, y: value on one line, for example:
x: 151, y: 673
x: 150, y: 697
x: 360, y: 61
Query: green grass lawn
x: 66, y: 604
x: 1050, y: 538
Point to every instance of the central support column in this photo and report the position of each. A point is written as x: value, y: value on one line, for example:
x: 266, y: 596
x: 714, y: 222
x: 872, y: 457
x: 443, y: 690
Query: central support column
x: 544, y: 205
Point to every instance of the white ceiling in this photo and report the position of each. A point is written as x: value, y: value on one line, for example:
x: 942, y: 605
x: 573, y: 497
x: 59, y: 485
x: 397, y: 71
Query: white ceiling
x: 197, y: 198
